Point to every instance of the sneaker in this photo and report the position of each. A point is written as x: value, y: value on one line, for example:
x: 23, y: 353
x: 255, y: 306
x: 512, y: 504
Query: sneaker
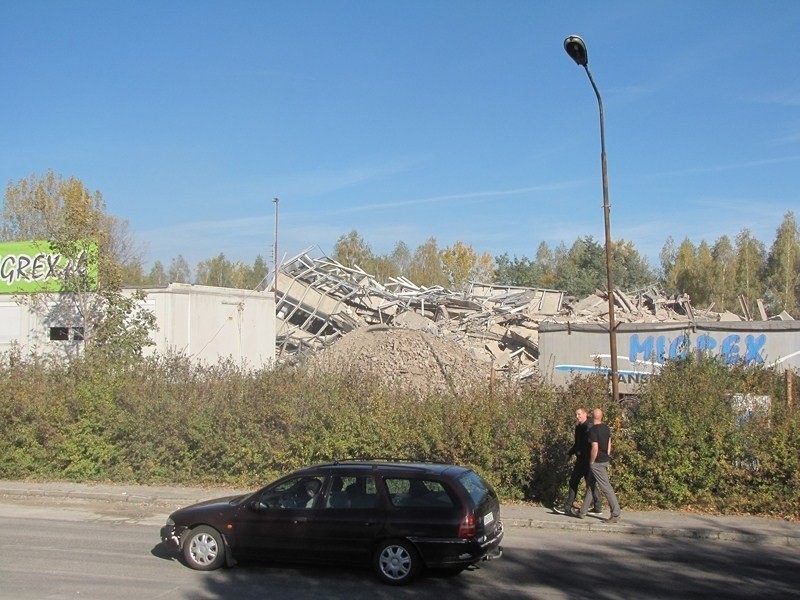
x: 612, y: 519
x: 560, y: 511
x: 597, y: 512
x: 577, y: 513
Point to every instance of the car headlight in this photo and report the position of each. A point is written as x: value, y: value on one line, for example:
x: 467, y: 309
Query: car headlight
x: 170, y: 522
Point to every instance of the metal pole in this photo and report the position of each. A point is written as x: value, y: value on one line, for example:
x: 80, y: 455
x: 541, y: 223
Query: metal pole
x: 275, y: 249
x: 612, y: 332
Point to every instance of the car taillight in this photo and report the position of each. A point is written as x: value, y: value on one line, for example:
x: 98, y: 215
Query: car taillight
x: 467, y: 527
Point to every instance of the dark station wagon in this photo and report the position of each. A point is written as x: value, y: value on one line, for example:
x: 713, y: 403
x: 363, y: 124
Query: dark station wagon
x: 398, y: 517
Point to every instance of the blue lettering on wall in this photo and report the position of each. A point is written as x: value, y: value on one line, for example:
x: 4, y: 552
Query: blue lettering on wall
x: 755, y: 346
x: 732, y: 348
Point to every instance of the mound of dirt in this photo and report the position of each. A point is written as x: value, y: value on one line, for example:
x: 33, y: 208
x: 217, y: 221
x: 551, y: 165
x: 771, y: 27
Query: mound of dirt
x: 412, y: 359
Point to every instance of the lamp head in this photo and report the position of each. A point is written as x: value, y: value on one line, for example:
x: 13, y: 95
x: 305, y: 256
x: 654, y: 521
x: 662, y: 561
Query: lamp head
x: 576, y: 48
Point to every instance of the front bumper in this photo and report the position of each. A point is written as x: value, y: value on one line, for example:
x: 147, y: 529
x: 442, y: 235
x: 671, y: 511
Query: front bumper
x: 171, y: 536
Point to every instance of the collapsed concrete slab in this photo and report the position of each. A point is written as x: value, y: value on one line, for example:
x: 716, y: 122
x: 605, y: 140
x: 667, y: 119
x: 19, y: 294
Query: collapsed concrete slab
x: 320, y: 301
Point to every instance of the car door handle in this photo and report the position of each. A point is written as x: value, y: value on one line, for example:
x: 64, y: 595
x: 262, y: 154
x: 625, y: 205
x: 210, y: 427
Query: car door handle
x: 300, y: 520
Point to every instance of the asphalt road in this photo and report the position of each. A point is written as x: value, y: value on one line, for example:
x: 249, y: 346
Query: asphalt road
x: 55, y: 553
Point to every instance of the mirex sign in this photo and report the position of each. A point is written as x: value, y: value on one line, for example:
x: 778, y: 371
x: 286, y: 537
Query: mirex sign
x: 642, y: 348
x: 27, y: 267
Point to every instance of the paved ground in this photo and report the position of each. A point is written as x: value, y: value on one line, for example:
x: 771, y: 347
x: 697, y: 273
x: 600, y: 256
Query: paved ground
x: 664, y: 523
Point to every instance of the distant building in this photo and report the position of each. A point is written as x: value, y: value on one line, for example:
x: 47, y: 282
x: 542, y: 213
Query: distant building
x: 205, y: 323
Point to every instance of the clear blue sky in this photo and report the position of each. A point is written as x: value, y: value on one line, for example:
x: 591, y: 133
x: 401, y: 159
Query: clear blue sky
x: 408, y: 119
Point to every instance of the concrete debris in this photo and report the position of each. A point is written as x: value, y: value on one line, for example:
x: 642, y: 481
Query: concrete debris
x: 325, y: 308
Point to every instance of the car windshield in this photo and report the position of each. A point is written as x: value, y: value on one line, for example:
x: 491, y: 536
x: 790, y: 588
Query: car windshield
x: 476, y: 487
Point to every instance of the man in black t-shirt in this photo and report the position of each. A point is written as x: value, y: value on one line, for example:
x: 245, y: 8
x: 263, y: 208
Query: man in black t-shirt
x: 599, y: 458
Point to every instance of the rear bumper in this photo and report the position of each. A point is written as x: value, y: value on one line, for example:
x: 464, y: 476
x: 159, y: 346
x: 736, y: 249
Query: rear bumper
x: 443, y: 553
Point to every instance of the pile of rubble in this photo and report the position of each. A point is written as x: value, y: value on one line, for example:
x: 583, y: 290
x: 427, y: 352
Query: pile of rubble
x: 413, y: 360
x: 322, y: 305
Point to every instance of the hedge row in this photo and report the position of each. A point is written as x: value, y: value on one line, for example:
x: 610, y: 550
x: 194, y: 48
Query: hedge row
x: 682, y: 443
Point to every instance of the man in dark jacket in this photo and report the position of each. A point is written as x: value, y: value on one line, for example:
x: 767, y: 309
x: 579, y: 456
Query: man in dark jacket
x: 580, y: 470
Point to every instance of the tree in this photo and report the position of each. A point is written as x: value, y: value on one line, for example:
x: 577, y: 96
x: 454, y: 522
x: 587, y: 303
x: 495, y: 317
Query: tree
x: 401, y: 258
x: 157, y: 275
x: 351, y: 250
x: 631, y: 271
x: 426, y: 267
x: 52, y: 208
x: 514, y: 271
x: 544, y: 267
x: 179, y: 270
x: 584, y: 269
x: 750, y: 262
x: 668, y: 256
x: 458, y: 261
x: 483, y: 270
x: 704, y: 276
x: 74, y: 222
x: 383, y: 267
x: 217, y: 272
x: 724, y: 258
x: 783, y: 268
x: 258, y: 274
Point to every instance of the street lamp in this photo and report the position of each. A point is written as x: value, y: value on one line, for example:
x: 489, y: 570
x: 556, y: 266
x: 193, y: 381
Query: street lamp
x: 576, y: 48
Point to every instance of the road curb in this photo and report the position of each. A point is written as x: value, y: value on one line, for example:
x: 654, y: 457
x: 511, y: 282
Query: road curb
x: 649, y: 530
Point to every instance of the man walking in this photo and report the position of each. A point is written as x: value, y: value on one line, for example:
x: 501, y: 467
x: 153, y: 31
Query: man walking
x: 580, y: 470
x: 599, y: 458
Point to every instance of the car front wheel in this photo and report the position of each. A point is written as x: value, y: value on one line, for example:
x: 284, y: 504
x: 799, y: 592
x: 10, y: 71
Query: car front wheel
x: 204, y: 549
x: 396, y: 562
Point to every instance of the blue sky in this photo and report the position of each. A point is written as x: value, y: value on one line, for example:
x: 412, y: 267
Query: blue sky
x: 404, y: 120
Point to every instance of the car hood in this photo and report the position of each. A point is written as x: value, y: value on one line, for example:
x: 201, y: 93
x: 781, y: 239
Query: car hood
x: 215, y: 506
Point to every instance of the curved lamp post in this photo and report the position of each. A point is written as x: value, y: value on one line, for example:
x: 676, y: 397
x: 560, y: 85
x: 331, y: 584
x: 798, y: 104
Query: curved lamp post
x: 576, y: 48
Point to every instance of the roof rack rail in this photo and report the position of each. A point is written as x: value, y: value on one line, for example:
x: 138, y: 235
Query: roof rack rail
x: 388, y: 460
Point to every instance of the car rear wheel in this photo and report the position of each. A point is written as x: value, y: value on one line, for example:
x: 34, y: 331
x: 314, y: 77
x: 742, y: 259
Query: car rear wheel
x: 204, y: 549
x: 397, y: 562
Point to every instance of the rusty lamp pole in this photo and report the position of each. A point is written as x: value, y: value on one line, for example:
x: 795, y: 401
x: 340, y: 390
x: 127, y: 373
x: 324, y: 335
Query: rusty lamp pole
x: 576, y: 48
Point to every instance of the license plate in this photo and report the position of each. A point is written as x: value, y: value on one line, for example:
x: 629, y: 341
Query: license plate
x: 488, y: 519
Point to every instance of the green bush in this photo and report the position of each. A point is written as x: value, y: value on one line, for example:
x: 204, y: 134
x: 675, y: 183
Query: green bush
x: 163, y: 420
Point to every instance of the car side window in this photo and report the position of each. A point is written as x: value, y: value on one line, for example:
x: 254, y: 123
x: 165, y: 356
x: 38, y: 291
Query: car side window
x: 351, y: 492
x: 418, y: 493
x: 298, y: 492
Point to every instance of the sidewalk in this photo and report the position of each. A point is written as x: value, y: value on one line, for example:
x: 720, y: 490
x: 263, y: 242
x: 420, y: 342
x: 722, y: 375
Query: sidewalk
x: 759, y: 530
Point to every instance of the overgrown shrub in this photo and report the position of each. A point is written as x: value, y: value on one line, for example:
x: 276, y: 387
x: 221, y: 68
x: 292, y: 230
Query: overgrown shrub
x: 163, y: 420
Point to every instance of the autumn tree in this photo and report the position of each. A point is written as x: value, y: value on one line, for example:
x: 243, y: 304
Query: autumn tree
x: 782, y: 276
x: 458, y: 262
x: 544, y: 267
x: 426, y: 265
x: 75, y: 223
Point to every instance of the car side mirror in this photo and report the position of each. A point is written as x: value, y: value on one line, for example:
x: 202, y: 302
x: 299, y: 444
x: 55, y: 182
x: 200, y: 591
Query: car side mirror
x: 256, y: 506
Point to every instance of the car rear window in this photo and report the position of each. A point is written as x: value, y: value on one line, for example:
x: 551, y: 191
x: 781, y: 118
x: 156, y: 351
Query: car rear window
x: 476, y: 487
x: 418, y: 493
